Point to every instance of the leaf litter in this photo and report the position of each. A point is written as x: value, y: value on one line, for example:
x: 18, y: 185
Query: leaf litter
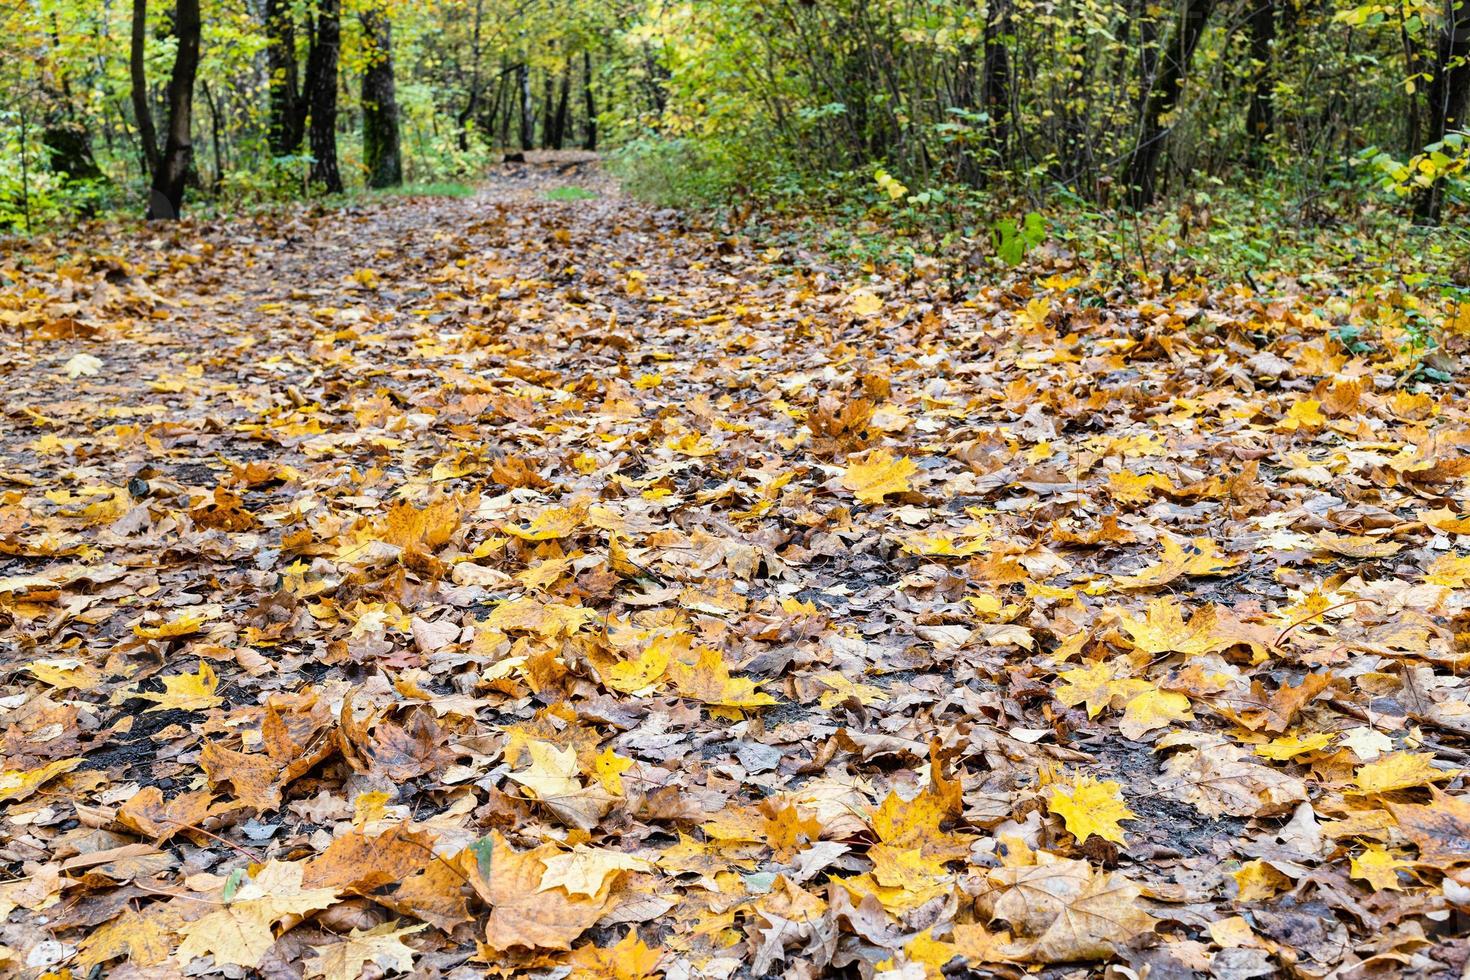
x: 516, y: 587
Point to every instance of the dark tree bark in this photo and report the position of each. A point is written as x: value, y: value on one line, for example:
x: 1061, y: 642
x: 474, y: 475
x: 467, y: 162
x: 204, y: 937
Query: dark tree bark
x: 1161, y: 93
x: 528, y: 118
x: 321, y: 93
x: 590, y: 142
x: 1260, y: 118
x: 381, y: 152
x: 548, y: 96
x: 559, y: 119
x: 167, y: 197
x: 287, y: 109
x: 1449, y: 97
x: 468, y: 113
x: 996, y: 93
x: 138, y: 70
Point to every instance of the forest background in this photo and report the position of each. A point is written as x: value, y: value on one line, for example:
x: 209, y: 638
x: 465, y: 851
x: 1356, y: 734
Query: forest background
x: 1249, y: 138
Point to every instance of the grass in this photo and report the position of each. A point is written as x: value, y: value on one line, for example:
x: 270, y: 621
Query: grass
x: 570, y: 193
x: 443, y: 188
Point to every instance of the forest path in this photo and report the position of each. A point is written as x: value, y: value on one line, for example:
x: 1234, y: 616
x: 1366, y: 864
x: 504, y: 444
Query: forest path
x: 568, y: 523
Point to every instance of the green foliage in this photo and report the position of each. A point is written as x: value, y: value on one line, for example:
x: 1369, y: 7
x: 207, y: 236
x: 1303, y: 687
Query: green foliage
x: 674, y: 172
x: 1013, y: 242
x: 570, y: 193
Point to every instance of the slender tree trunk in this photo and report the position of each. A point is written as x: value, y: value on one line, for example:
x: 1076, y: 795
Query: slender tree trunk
x: 381, y: 152
x: 287, y: 111
x: 167, y: 197
x: 321, y: 94
x: 996, y: 95
x: 1449, y: 97
x: 215, y: 137
x: 138, y: 70
x: 559, y: 120
x: 1160, y: 96
x: 590, y: 142
x: 468, y: 113
x: 1260, y: 119
x: 548, y: 96
x: 528, y: 118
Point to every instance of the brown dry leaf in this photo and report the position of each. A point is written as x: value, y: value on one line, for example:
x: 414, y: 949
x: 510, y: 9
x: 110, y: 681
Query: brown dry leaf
x: 521, y: 914
x: 152, y: 816
x: 1063, y: 911
x: 239, y: 932
x: 356, y: 862
x: 382, y: 945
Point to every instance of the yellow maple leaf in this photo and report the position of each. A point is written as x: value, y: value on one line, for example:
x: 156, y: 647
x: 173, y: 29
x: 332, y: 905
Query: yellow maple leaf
x: 707, y: 679
x: 1097, y: 685
x: 609, y: 767
x: 585, y: 870
x: 554, y: 777
x: 627, y: 959
x: 1256, y: 880
x: 1138, y: 488
x: 840, y: 689
x: 17, y: 784
x: 1305, y: 414
x: 186, y: 692
x: 1291, y: 746
x: 1089, y: 807
x: 644, y: 671
x: 1399, y: 770
x: 1197, y: 557
x: 878, y: 474
x: 1153, y: 709
x: 182, y: 625
x: 554, y: 522
x: 1164, y: 630
x: 238, y: 932
x: 1380, y: 868
x: 930, y: 953
x: 64, y: 673
x: 865, y: 302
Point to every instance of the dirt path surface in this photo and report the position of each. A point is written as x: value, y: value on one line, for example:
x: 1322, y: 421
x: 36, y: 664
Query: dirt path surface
x: 531, y: 582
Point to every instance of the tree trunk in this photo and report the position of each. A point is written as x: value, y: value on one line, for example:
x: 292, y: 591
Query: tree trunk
x: 559, y: 121
x: 137, y: 69
x: 590, y: 143
x: 1260, y: 118
x: 996, y: 95
x: 1160, y: 96
x: 287, y: 110
x: 381, y: 153
x: 528, y: 119
x: 321, y: 94
x: 167, y: 197
x: 463, y: 136
x: 1449, y: 97
x: 548, y: 96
